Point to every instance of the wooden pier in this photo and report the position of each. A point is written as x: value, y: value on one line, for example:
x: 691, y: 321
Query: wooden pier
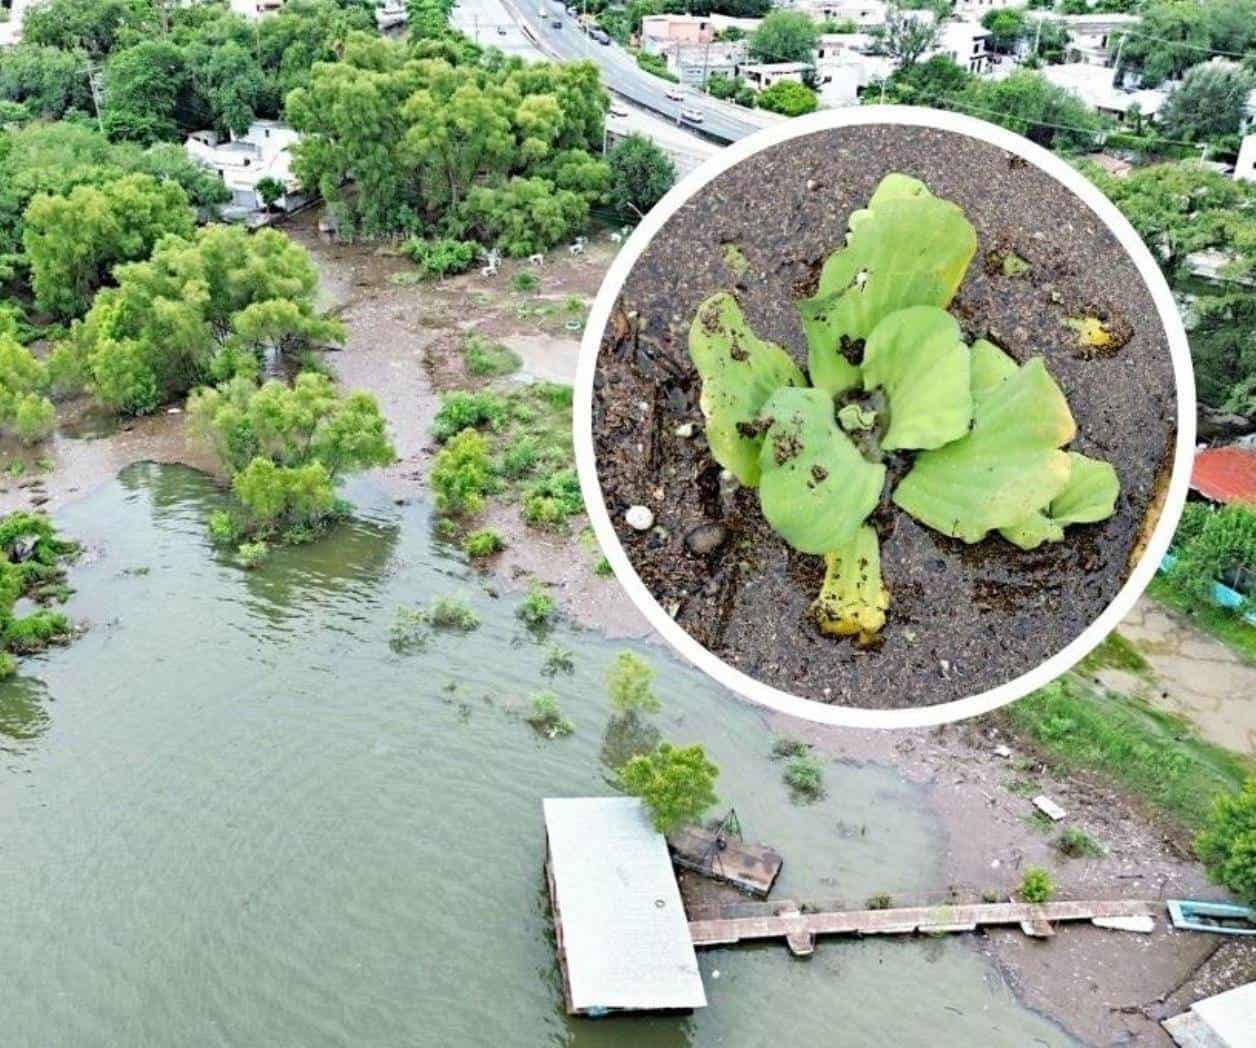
x: 799, y: 927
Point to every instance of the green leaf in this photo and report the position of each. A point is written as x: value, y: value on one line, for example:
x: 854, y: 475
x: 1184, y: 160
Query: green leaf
x: 907, y: 248
x: 1091, y: 492
x: 816, y: 488
x: 1033, y: 531
x: 1008, y: 467
x: 739, y: 373
x: 917, y: 356
x: 853, y: 599
x: 990, y: 366
x: 854, y: 418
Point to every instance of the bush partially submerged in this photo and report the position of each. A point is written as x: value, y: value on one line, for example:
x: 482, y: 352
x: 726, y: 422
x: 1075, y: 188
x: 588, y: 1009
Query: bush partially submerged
x: 804, y: 776
x: 547, y: 716
x: 462, y: 474
x: 890, y: 373
x: 32, y: 567
x: 630, y: 683
x: 537, y: 609
x: 461, y: 410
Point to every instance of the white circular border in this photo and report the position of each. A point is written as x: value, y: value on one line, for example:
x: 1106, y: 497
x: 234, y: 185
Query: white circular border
x: 850, y: 716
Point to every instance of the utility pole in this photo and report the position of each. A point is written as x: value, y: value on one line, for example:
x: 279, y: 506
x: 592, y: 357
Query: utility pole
x: 97, y: 99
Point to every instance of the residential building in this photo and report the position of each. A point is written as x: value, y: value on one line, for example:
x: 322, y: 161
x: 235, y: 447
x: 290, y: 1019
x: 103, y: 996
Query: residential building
x: 977, y: 8
x: 255, y: 9
x: 843, y: 73
x: 837, y: 45
x: 264, y: 151
x: 1092, y: 38
x: 1095, y: 86
x: 391, y: 14
x: 1245, y: 166
x: 746, y: 25
x: 761, y: 77
x: 966, y: 43
x: 696, y: 63
x: 11, y: 26
x: 660, y: 32
x: 866, y: 14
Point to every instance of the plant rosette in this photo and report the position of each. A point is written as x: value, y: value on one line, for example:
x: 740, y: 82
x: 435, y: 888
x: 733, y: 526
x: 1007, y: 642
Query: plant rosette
x: 979, y: 440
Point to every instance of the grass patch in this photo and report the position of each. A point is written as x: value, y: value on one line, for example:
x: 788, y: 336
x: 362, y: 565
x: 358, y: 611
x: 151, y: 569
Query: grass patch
x: 1225, y: 626
x: 537, y: 610
x: 461, y: 410
x: 602, y: 568
x: 558, y: 659
x: 786, y: 747
x: 1158, y: 756
x: 485, y: 359
x: 524, y: 282
x: 484, y: 543
x: 880, y: 901
x: 452, y: 613
x: 805, y: 778
x: 1076, y: 843
x: 1116, y: 653
x: 1037, y: 886
x: 547, y: 716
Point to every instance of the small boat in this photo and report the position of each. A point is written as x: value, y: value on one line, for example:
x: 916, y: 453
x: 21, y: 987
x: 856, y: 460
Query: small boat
x: 1223, y: 918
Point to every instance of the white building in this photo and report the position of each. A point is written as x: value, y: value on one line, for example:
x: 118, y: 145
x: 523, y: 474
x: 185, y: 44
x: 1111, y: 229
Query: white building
x: 978, y: 8
x: 11, y: 27
x: 1092, y: 38
x: 832, y: 46
x: 1245, y: 166
x: 391, y: 14
x: 763, y: 76
x: 1094, y: 85
x: 659, y: 33
x: 264, y: 151
x: 255, y: 9
x: 967, y: 44
x: 866, y: 14
x: 694, y: 64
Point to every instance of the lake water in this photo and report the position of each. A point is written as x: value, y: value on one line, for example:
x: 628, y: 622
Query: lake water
x: 231, y: 814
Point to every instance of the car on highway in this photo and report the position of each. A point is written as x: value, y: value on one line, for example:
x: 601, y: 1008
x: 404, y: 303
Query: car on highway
x: 691, y: 115
x: 557, y: 23
x: 676, y: 93
x: 600, y: 35
x: 501, y: 30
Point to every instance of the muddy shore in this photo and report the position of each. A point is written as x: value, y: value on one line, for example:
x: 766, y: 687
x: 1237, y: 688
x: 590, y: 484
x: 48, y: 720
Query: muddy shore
x: 1104, y: 987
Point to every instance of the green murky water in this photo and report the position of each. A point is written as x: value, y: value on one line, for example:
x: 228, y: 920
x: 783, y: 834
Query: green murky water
x: 231, y: 815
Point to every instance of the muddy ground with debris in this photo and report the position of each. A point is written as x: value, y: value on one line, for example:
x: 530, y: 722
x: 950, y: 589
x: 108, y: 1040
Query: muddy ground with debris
x: 747, y: 596
x: 1105, y: 987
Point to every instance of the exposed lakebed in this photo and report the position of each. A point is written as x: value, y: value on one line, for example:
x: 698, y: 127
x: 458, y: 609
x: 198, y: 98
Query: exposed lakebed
x: 231, y: 814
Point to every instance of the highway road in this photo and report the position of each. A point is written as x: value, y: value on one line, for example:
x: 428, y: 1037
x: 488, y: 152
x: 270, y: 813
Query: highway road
x: 621, y: 74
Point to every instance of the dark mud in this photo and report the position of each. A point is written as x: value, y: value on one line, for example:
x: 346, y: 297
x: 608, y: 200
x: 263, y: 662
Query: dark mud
x: 963, y: 619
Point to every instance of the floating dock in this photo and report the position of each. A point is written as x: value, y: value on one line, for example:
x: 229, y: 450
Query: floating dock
x: 751, y: 868
x: 800, y: 926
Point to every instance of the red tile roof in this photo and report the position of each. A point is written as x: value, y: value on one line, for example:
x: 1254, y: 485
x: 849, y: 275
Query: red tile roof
x: 1226, y: 474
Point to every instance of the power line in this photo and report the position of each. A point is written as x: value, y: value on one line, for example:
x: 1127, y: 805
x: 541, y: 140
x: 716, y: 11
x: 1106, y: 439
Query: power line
x: 1181, y: 43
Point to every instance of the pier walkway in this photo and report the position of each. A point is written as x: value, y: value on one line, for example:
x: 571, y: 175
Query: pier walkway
x: 799, y: 927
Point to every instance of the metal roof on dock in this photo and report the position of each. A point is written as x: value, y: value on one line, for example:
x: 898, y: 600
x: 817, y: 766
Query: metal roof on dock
x: 624, y: 936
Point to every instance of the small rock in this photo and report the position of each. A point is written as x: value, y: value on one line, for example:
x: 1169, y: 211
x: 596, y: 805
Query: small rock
x: 685, y: 431
x: 705, y: 538
x: 639, y: 518
x: 174, y: 411
x: 944, y: 667
x: 1002, y: 751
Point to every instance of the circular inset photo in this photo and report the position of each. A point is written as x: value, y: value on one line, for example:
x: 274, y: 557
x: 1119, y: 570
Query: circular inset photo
x: 884, y: 418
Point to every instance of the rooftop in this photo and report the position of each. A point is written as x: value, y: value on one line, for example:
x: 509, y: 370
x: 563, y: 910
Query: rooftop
x: 777, y: 67
x: 1094, y: 85
x: 1226, y: 474
x: 622, y: 932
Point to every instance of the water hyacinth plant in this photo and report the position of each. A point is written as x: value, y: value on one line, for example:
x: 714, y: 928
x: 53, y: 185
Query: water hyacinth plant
x: 889, y: 374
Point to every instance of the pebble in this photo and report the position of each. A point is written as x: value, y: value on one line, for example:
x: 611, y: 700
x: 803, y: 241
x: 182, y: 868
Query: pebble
x: 685, y: 431
x: 639, y: 518
x: 705, y: 538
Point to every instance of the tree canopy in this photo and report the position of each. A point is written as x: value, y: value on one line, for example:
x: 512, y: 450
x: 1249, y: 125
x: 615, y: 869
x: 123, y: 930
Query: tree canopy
x: 784, y: 36
x: 789, y: 98
x: 640, y: 174
x: 1211, y: 102
x: 676, y: 783
x: 1177, y: 34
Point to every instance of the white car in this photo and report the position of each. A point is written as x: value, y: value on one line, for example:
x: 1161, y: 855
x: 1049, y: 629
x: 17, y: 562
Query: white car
x: 675, y: 93
x: 693, y: 116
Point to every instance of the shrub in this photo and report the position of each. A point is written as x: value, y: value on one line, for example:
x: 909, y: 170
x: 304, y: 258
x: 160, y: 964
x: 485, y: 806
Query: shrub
x: 480, y: 544
x: 488, y: 359
x: 805, y: 777
x: 547, y: 717
x: 537, y: 609
x: 462, y: 474
x: 408, y: 631
x: 1222, y: 544
x: 462, y: 410
x: 252, y: 554
x: 524, y: 282
x: 676, y: 783
x: 552, y: 499
x: 602, y: 568
x: 440, y: 258
x: 880, y: 901
x: 785, y: 747
x: 452, y: 613
x: 225, y: 528
x: 1036, y: 885
x: 558, y: 659
x: 1227, y: 845
x: 34, y: 632
x: 34, y: 419
x: 1076, y: 843
x: 630, y: 684
x: 520, y: 458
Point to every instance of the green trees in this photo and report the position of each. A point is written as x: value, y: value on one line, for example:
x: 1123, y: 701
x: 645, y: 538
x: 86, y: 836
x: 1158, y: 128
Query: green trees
x: 1027, y: 103
x: 210, y: 305
x: 73, y: 241
x: 93, y: 26
x: 24, y: 410
x: 907, y: 36
x: 1008, y: 26
x: 784, y: 36
x: 48, y: 82
x: 630, y: 684
x: 640, y: 174
x: 1227, y: 846
x: 32, y: 567
x: 789, y: 98
x: 285, y: 448
x: 938, y: 81
x: 1216, y: 546
x: 1175, y: 34
x: 1210, y: 103
x: 676, y: 783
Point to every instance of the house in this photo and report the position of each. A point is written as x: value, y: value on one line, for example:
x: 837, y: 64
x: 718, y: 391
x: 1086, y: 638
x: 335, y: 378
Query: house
x: 763, y: 76
x: 866, y: 14
x: 255, y: 9
x: 837, y: 45
x: 978, y: 8
x: 1093, y: 39
x: 696, y: 63
x: 1095, y: 86
x: 12, y: 13
x: 967, y: 44
x: 842, y: 74
x: 263, y: 152
x: 1245, y: 166
x: 659, y: 33
x: 391, y: 14
x: 620, y: 929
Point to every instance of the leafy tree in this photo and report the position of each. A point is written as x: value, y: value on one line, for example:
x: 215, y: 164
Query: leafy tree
x: 269, y: 190
x: 285, y: 447
x: 630, y: 683
x: 32, y: 567
x: 48, y: 82
x: 676, y: 783
x: 1029, y: 104
x: 24, y: 410
x: 789, y: 98
x: 1227, y: 845
x: 1176, y: 34
x: 93, y: 26
x: 1223, y: 548
x: 908, y: 37
x: 640, y: 174
x: 1211, y: 102
x: 938, y: 81
x: 210, y: 305
x: 73, y: 241
x: 784, y: 36
x: 1008, y: 27
x: 148, y: 93
x: 525, y: 215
